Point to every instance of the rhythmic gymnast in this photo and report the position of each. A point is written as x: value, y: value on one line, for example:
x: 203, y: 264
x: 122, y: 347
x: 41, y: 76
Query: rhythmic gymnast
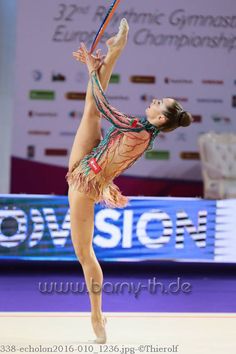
x: 95, y: 161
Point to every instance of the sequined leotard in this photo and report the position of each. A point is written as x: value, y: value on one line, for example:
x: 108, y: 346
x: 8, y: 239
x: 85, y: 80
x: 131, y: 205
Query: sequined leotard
x: 123, y: 144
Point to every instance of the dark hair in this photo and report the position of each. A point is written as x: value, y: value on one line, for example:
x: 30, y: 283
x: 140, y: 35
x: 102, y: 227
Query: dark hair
x: 177, y: 117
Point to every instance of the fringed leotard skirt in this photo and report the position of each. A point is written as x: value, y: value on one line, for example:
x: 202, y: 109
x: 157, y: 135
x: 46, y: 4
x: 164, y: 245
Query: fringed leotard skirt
x: 95, y: 186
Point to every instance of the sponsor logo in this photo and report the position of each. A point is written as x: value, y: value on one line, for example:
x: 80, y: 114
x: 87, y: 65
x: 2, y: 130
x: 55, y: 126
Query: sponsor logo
x: 75, y: 114
x: 67, y: 133
x: 58, y: 77
x: 221, y: 119
x: 197, y: 119
x: 234, y: 101
x: 115, y: 79
x: 209, y: 100
x: 120, y: 98
x: 32, y: 114
x: 94, y: 166
x: 39, y: 132
x: 30, y: 151
x: 169, y: 80
x: 42, y: 95
x: 212, y: 82
x: 157, y: 155
x: 143, y: 79
x: 189, y: 228
x: 37, y: 75
x: 55, y: 152
x: 80, y: 96
x: 188, y: 155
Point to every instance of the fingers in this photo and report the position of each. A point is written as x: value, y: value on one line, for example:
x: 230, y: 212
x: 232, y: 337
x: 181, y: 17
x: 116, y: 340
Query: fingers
x: 99, y: 53
x: 84, y: 50
x: 83, y: 46
x: 93, y: 61
x: 79, y: 56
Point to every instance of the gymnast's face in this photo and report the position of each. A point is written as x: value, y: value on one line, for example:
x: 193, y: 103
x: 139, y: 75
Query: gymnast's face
x: 155, y: 111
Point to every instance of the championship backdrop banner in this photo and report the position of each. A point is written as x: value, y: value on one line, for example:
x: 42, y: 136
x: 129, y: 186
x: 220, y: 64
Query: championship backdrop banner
x: 181, y: 49
x: 185, y: 229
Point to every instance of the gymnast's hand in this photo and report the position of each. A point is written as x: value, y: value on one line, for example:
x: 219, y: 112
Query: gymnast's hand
x: 94, y: 62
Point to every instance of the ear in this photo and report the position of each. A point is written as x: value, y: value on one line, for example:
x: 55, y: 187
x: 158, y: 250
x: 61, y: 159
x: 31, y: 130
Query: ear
x: 162, y: 119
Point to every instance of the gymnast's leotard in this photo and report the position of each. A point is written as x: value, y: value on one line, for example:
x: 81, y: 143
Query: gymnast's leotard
x: 123, y: 144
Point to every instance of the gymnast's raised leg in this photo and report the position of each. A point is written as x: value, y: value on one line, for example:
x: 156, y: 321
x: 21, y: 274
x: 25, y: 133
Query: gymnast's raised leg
x: 87, y: 137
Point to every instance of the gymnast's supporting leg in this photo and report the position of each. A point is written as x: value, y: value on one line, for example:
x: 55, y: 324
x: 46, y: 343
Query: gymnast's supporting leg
x: 82, y: 228
x: 82, y: 207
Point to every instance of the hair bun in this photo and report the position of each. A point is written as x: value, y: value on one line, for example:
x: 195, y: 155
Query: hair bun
x: 185, y: 119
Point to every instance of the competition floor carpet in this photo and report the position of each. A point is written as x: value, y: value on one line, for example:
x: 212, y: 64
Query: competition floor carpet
x: 127, y: 332
x: 200, y: 321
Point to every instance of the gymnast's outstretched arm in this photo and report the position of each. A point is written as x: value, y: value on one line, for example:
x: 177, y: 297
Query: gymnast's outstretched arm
x: 104, y: 73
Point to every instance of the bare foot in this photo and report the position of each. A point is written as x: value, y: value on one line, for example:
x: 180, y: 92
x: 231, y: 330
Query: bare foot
x: 118, y: 42
x: 100, y: 330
